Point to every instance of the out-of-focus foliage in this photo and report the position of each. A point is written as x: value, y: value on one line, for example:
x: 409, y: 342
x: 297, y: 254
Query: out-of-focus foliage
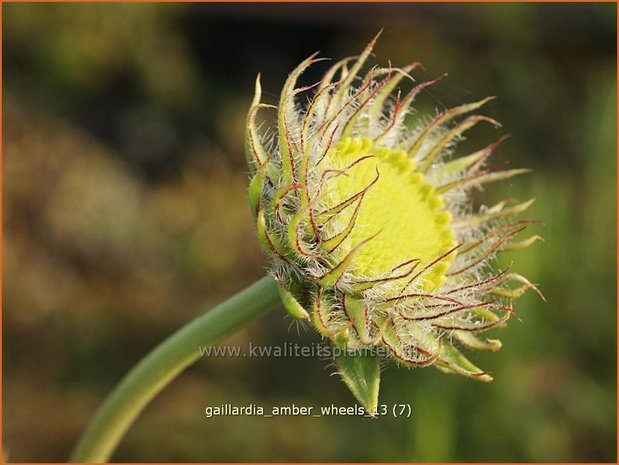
x: 125, y: 215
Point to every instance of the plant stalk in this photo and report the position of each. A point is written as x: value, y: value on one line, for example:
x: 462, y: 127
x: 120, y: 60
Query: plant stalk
x: 165, y: 363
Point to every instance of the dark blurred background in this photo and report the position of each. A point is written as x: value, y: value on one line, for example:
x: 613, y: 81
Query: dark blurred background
x: 125, y: 216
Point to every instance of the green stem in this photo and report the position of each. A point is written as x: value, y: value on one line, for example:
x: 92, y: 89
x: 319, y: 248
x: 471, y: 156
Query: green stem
x: 166, y: 362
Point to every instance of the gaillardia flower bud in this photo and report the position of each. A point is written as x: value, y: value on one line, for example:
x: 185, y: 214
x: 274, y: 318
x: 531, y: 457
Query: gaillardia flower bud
x: 369, y: 224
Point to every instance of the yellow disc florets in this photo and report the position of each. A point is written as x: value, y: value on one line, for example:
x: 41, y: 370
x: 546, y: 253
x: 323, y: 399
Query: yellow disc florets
x: 393, y: 204
x: 369, y: 224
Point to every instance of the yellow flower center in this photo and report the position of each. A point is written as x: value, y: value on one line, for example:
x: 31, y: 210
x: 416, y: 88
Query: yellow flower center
x: 405, y: 212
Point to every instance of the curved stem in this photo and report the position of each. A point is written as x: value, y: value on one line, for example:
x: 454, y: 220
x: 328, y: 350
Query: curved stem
x: 166, y: 362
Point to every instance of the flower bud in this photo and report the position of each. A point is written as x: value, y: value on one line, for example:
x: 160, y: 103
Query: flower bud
x: 369, y: 225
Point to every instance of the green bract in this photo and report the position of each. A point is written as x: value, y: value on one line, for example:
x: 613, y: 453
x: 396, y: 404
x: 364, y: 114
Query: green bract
x: 369, y: 223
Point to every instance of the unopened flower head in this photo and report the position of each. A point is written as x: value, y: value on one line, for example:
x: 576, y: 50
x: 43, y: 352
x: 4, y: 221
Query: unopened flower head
x: 368, y: 219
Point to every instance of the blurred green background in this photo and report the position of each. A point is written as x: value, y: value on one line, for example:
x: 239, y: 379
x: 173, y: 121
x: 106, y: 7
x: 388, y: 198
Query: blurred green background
x: 125, y: 216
